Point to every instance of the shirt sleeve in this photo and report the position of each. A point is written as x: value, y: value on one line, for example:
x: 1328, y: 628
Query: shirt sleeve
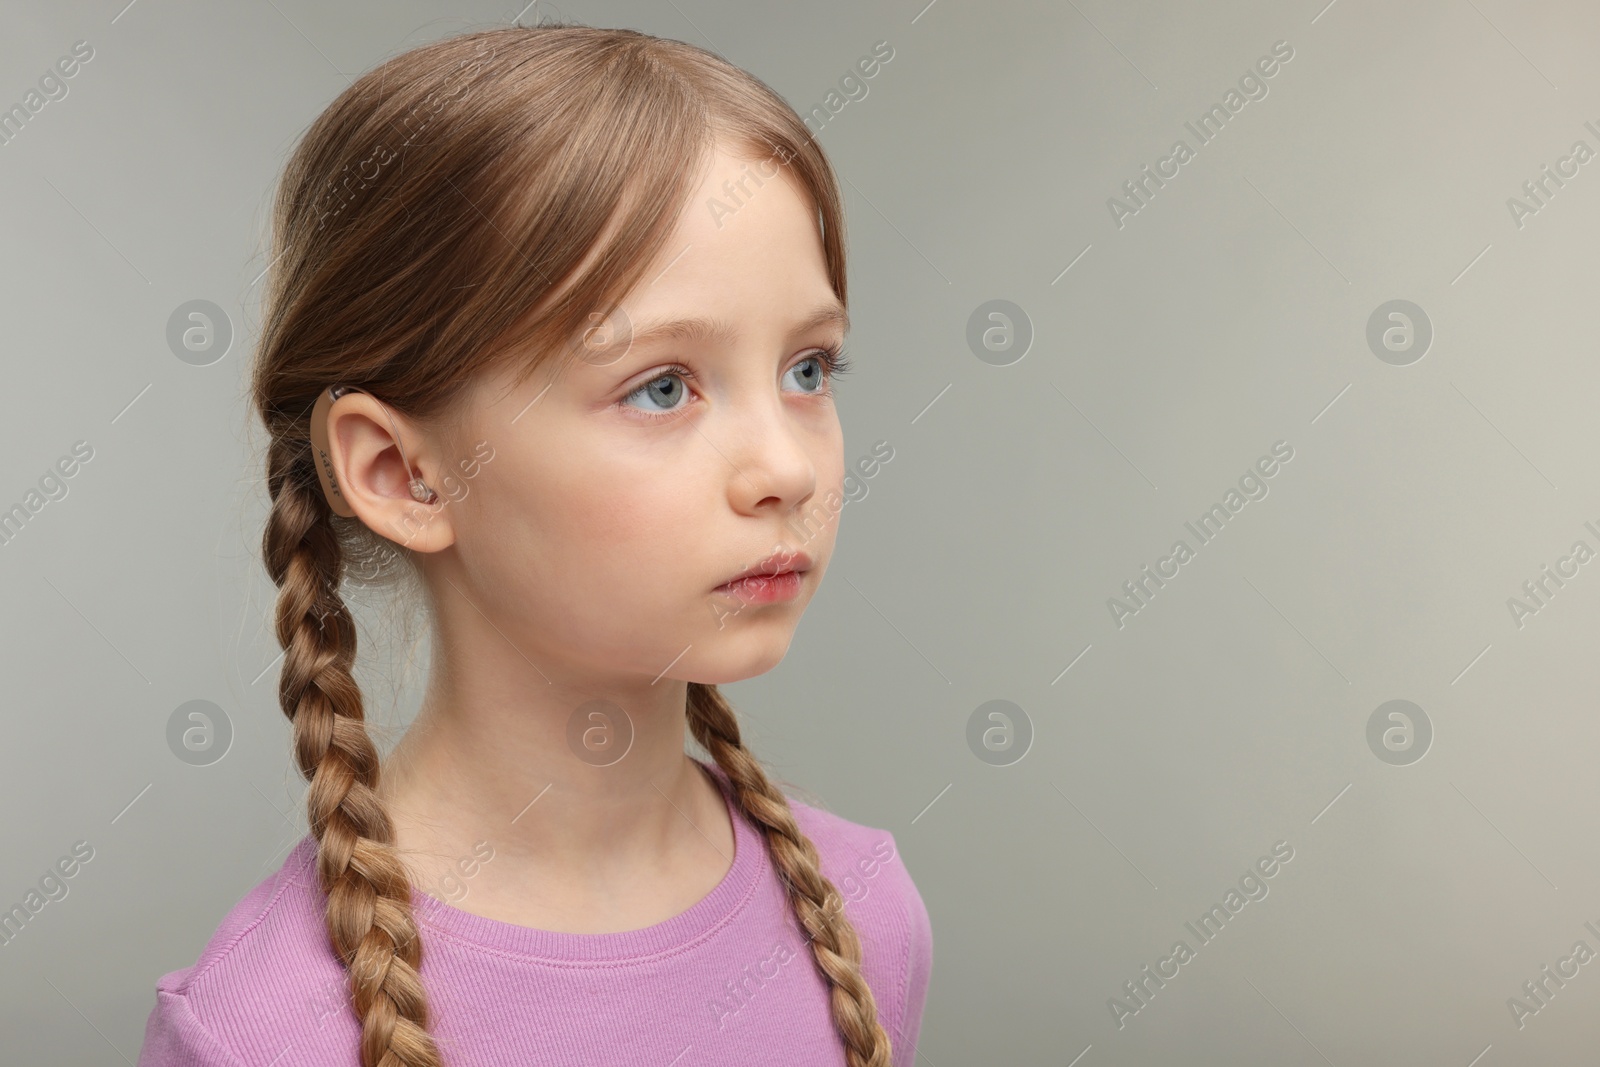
x: 175, y: 1037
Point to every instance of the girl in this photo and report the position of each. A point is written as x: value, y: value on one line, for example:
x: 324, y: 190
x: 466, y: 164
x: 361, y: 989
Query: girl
x: 551, y: 325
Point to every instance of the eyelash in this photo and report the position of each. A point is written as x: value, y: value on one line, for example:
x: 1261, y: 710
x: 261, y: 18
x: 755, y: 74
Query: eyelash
x: 833, y: 358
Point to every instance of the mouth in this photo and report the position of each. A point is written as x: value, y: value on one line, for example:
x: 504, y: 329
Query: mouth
x: 775, y: 578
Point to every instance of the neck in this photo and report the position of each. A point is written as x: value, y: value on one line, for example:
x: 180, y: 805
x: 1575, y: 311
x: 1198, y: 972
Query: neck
x: 546, y: 773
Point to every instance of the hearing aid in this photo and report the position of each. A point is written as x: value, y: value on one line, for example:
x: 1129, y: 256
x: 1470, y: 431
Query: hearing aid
x: 324, y: 462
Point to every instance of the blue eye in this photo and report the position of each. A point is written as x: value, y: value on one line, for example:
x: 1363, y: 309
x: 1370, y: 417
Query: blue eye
x: 814, y: 374
x: 660, y: 387
x: 820, y: 368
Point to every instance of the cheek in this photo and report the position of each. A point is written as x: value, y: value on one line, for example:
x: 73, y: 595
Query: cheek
x: 633, y: 523
x: 581, y: 543
x: 633, y: 506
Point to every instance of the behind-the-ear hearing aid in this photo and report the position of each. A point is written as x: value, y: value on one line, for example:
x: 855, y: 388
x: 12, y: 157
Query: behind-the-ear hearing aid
x: 324, y: 463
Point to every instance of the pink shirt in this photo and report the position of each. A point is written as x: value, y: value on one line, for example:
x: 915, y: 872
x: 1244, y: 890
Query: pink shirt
x: 730, y: 981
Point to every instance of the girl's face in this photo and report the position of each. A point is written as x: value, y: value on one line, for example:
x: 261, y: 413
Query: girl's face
x: 623, y: 492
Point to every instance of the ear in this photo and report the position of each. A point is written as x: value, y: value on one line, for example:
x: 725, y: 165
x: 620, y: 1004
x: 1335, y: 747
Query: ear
x: 373, y: 478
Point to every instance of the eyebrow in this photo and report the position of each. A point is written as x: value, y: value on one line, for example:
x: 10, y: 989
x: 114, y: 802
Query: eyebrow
x: 721, y: 332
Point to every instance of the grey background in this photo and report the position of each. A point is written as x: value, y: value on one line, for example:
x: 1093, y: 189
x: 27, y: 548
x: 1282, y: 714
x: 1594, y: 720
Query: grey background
x: 1228, y: 314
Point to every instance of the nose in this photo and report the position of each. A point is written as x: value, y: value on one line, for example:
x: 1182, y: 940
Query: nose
x: 770, y: 452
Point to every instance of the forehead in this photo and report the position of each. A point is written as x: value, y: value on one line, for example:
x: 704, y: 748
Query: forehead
x: 747, y: 246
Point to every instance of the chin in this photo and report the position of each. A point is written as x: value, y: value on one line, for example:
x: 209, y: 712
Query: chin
x: 745, y: 656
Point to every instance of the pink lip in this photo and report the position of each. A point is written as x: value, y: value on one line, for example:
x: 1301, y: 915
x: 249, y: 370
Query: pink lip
x: 764, y: 588
x: 776, y: 577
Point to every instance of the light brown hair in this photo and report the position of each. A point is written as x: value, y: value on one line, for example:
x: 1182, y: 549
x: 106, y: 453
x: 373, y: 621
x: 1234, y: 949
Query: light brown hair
x: 427, y: 228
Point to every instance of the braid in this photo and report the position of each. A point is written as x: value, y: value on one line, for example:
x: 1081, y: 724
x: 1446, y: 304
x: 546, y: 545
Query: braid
x: 369, y: 919
x: 817, y: 904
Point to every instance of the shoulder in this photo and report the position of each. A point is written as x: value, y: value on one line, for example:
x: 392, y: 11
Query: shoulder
x: 882, y: 902
x: 266, y: 978
x: 857, y: 858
